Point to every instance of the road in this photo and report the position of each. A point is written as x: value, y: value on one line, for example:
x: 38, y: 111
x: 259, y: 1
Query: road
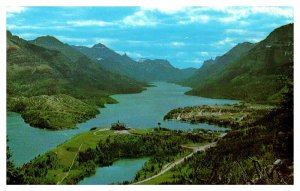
x: 67, y: 173
x: 170, y: 166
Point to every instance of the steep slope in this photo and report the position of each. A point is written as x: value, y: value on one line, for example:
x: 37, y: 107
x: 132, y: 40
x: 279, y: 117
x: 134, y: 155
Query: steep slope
x: 143, y: 70
x: 52, y: 43
x: 109, y: 59
x: 159, y: 69
x: 34, y: 71
x: 260, y: 75
x: 98, y: 52
x: 212, y: 67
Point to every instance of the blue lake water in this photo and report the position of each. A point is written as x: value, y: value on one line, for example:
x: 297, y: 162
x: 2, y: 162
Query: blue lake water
x: 143, y: 110
x: 120, y: 171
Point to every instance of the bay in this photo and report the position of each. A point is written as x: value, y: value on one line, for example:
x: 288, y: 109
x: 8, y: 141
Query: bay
x: 142, y: 110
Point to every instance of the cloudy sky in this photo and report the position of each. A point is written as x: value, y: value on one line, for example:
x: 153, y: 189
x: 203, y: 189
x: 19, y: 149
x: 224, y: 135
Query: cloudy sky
x: 186, y: 36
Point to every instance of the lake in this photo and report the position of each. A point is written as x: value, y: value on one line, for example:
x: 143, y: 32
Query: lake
x: 143, y: 110
x: 120, y: 171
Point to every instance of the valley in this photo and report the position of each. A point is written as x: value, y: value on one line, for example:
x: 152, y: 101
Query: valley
x: 230, y: 121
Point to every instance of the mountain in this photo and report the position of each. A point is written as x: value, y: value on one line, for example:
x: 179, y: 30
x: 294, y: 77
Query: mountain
x: 143, y: 70
x: 52, y: 43
x: 259, y: 74
x: 97, y: 52
x: 212, y: 67
x: 38, y: 75
x: 161, y: 70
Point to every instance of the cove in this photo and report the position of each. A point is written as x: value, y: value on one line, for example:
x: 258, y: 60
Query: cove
x: 143, y: 110
x: 120, y: 171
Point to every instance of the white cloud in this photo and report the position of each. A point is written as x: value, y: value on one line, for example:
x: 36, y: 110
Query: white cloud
x: 134, y: 54
x: 29, y: 35
x: 82, y: 23
x: 274, y: 11
x: 71, y: 39
x: 139, y: 18
x: 253, y: 40
x: 180, y: 54
x: 236, y: 31
x: 36, y: 27
x: 11, y: 11
x: 106, y: 41
x: 228, y: 19
x: 227, y: 40
x: 194, y: 19
x: 196, y: 61
x: 165, y: 9
x: 203, y: 53
x: 234, y: 14
x: 177, y: 44
x: 20, y: 27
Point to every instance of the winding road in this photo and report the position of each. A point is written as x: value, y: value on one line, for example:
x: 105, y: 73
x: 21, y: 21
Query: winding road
x: 170, y: 166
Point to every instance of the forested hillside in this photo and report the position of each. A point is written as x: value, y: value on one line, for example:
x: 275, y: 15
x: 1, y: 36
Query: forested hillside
x: 37, y: 75
x: 259, y: 75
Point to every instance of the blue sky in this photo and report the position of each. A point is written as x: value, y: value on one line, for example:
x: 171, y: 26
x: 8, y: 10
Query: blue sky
x: 186, y: 36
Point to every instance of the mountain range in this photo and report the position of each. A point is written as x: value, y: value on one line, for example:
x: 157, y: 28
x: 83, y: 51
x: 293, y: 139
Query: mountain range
x: 256, y: 72
x: 143, y: 70
x: 45, y: 75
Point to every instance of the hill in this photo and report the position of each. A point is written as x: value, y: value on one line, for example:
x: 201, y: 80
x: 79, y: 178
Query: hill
x: 259, y: 74
x: 38, y: 73
x: 212, y: 67
x: 52, y: 43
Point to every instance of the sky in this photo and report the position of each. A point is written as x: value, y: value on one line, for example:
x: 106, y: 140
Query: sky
x: 186, y: 36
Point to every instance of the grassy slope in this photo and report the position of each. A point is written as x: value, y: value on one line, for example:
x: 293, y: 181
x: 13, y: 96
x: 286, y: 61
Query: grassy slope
x: 39, y: 75
x: 258, y: 76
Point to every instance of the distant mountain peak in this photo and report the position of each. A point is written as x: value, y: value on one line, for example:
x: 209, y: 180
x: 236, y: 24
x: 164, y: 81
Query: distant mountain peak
x: 99, y: 45
x: 47, y: 38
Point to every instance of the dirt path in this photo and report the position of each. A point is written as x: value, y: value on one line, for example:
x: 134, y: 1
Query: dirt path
x: 67, y: 173
x: 170, y: 166
x: 95, y: 133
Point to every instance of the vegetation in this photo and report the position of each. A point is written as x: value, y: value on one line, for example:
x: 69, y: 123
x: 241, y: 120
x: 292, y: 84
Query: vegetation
x: 52, y: 91
x: 53, y: 112
x: 13, y: 174
x: 78, y: 157
x: 255, y: 75
x: 233, y: 116
x: 118, y: 126
x: 258, y: 152
x: 213, y: 67
x: 58, y: 87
